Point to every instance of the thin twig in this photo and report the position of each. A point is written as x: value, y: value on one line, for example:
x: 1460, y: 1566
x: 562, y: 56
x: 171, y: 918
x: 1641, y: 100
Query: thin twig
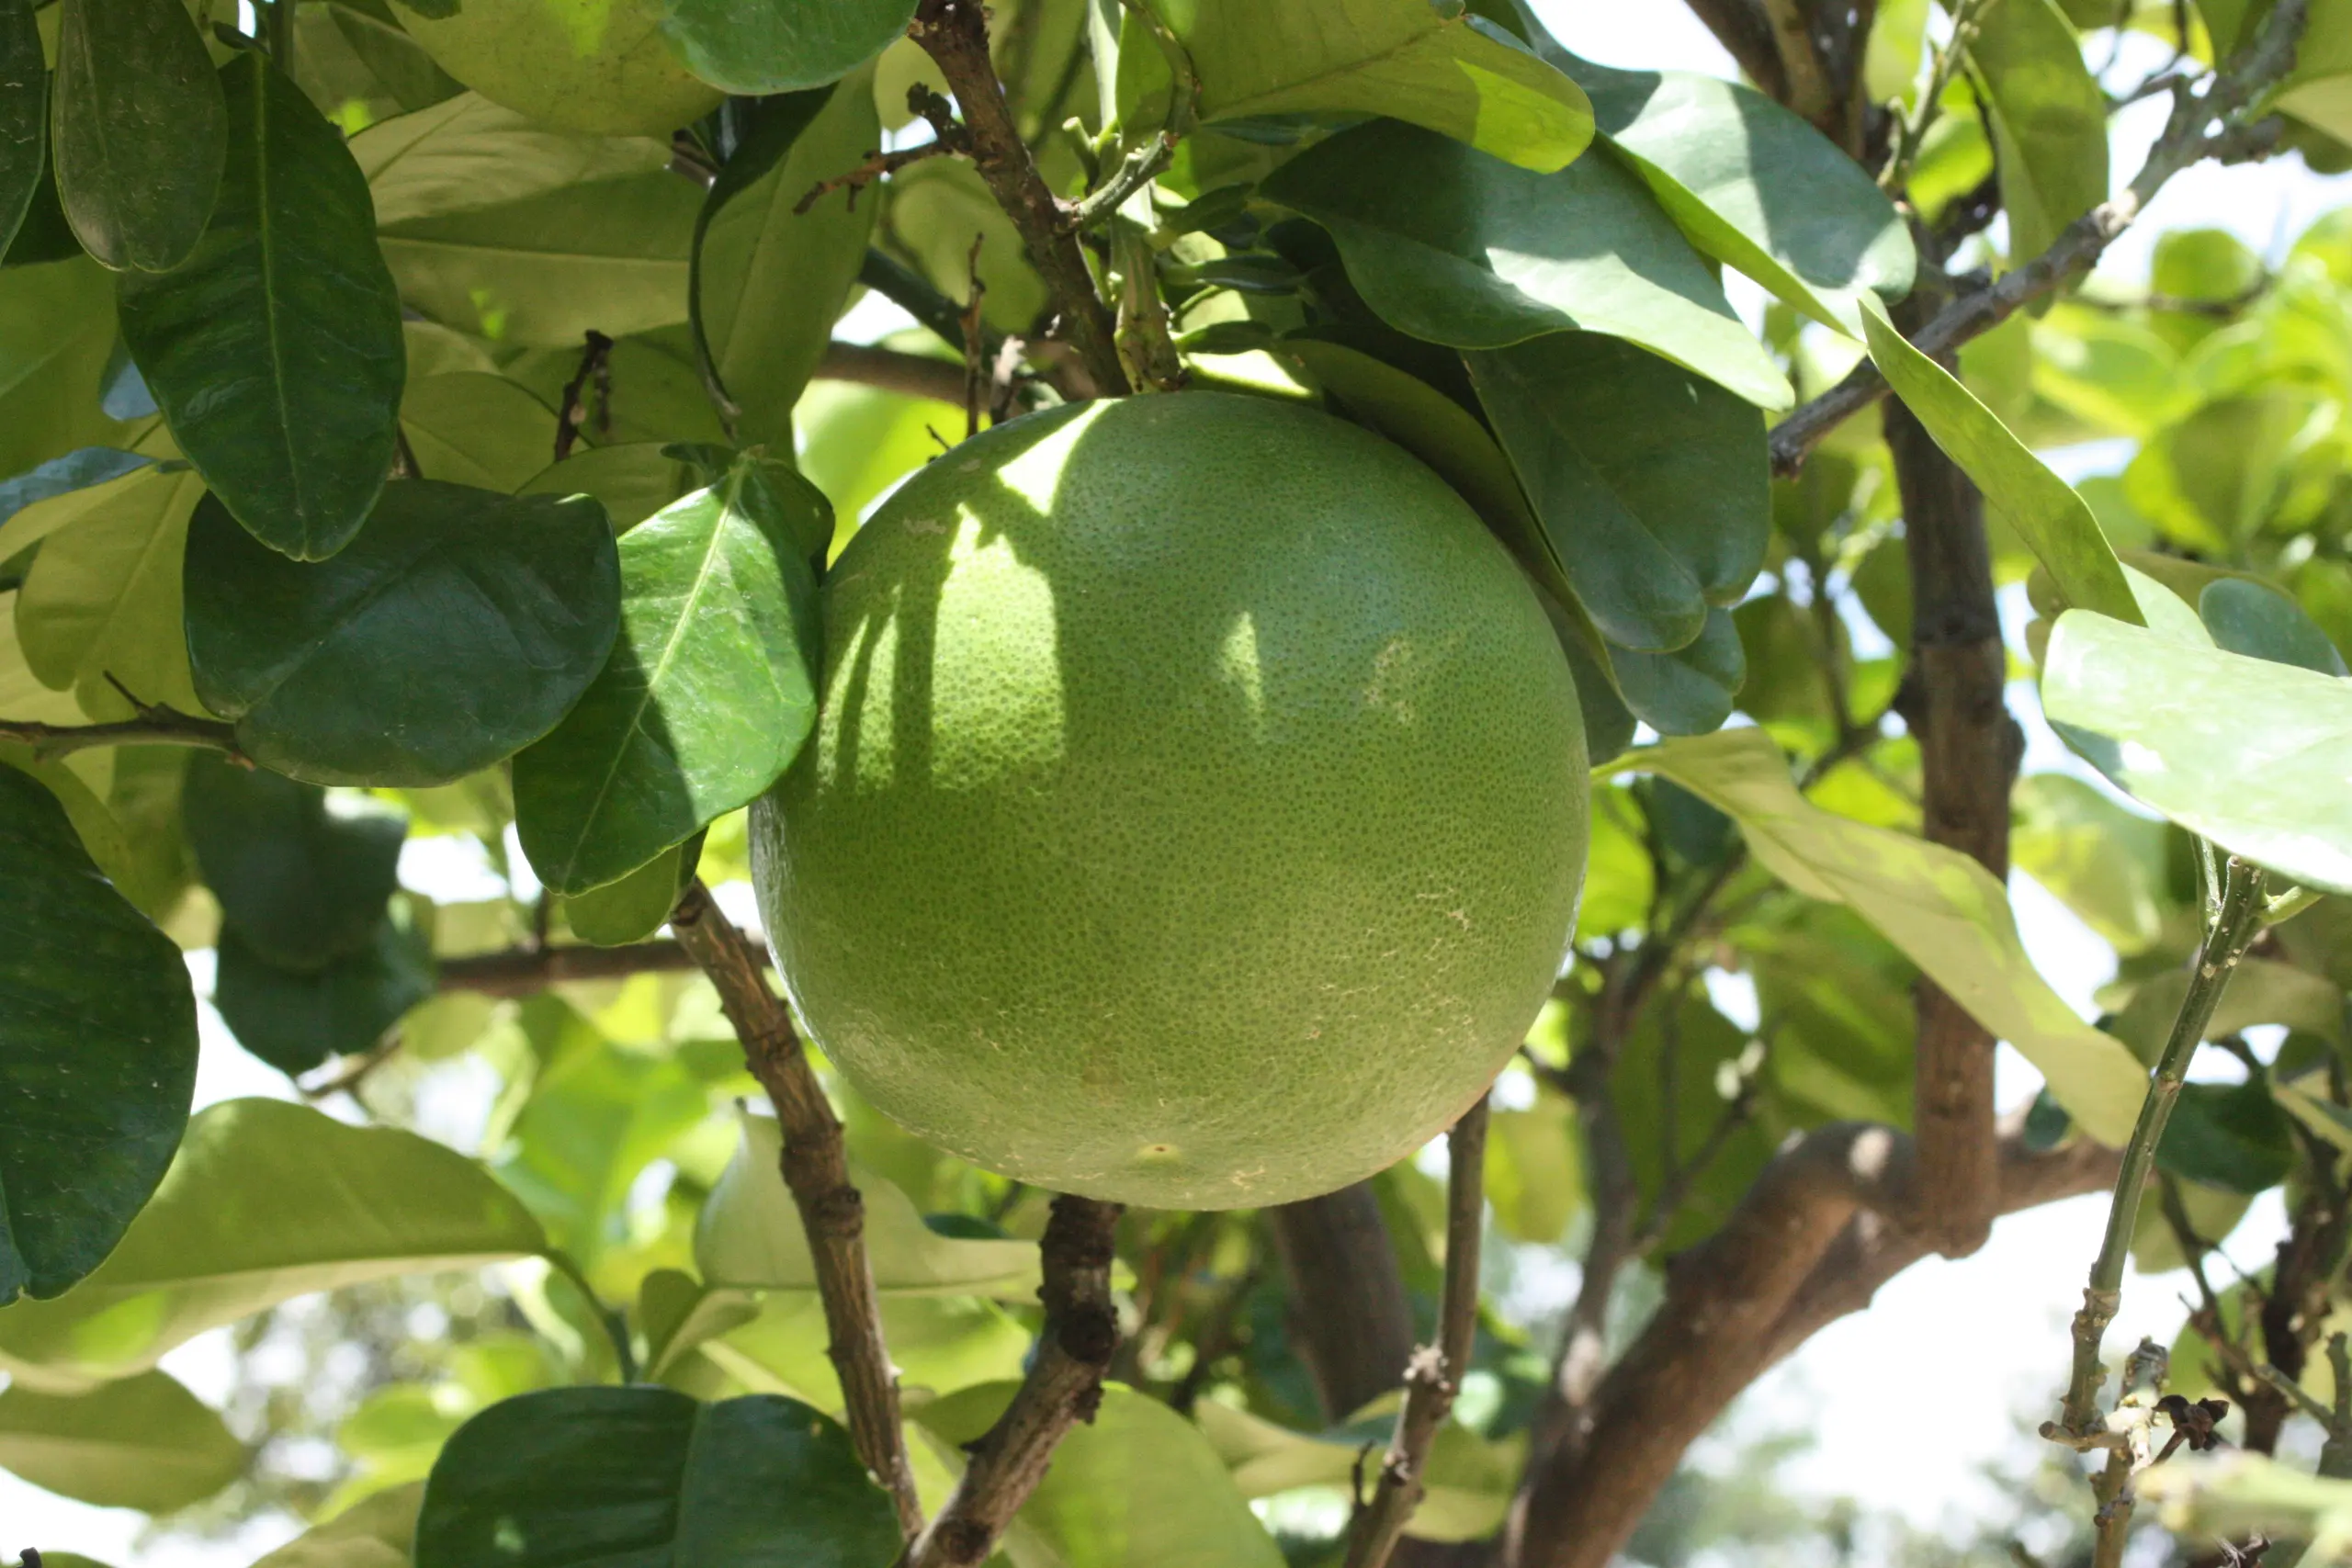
x: 815, y: 1169
x: 917, y: 375
x: 946, y: 136
x: 1064, y: 1387
x: 158, y: 725
x: 976, y: 348
x: 955, y: 34
x: 2234, y: 926
x: 527, y: 970
x: 596, y: 364
x: 1434, y: 1375
x: 2186, y: 140
x: 1966, y: 16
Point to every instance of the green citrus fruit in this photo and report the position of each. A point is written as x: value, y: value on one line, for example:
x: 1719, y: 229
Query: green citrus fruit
x: 1196, y: 812
x: 594, y: 65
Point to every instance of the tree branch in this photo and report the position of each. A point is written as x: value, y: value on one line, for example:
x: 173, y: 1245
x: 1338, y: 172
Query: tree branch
x: 1350, y: 1319
x: 1434, y: 1374
x: 155, y: 726
x: 1744, y: 31
x: 955, y: 34
x: 1807, y: 84
x: 2186, y: 140
x: 815, y: 1169
x: 1791, y: 1258
x: 917, y: 375
x: 1063, y: 1388
x: 526, y: 971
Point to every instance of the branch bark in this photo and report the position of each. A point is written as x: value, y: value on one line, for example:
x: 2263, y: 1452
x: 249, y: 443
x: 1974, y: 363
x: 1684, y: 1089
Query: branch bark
x: 815, y: 1169
x: 1350, y: 1318
x: 916, y: 375
x: 954, y: 33
x: 1789, y: 1259
x: 1063, y: 1388
x: 1434, y: 1374
x: 1744, y: 31
x: 2188, y: 139
x: 526, y: 971
x: 1970, y: 747
x: 155, y: 726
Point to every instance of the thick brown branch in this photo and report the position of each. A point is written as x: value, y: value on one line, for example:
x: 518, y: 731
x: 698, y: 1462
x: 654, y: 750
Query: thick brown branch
x: 154, y: 726
x: 2189, y: 138
x: 1741, y: 26
x: 815, y: 1169
x: 955, y: 34
x: 1808, y: 83
x: 1350, y: 1320
x: 1969, y: 748
x: 917, y: 375
x: 1063, y: 1388
x: 1434, y: 1374
x: 1793, y: 1257
x: 526, y: 971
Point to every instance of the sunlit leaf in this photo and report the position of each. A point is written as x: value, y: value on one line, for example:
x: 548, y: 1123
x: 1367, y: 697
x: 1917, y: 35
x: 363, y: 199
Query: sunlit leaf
x: 144, y: 1442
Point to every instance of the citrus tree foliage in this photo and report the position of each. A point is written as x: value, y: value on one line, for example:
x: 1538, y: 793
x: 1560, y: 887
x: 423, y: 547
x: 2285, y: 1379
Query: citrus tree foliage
x: 427, y: 433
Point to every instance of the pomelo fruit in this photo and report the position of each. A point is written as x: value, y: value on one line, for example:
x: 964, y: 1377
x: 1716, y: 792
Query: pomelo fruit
x: 593, y: 65
x: 1195, y: 816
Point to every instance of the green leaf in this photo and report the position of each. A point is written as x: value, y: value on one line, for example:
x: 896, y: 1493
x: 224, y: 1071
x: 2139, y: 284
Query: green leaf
x: 2055, y: 522
x: 2248, y: 753
x: 266, y: 1201
x: 749, y: 1238
x: 1453, y: 246
x: 469, y: 154
x: 374, y: 1532
x: 639, y: 905
x: 24, y: 116
x: 579, y: 1477
x: 633, y: 480
x: 1752, y: 185
x: 607, y: 256
x: 470, y: 427
x: 1668, y: 1115
x: 2258, y: 621
x: 103, y: 598
x: 2260, y: 991
x: 768, y: 281
x: 1434, y: 65
x: 274, y: 350
x: 295, y: 1020
x: 1534, y: 1176
x: 97, y: 1051
x: 301, y: 882
x: 361, y: 68
x: 82, y: 468
x: 1138, y: 1486
x: 709, y: 691
x: 1469, y: 1479
x: 1691, y: 689
x: 2232, y: 1137
x: 57, y: 334
x: 1945, y: 912
x: 759, y: 47
x: 143, y: 1443
x: 2235, y: 465
x: 2114, y: 870
x: 141, y: 130
x: 2049, y: 120
x: 1652, y: 485
x: 330, y: 671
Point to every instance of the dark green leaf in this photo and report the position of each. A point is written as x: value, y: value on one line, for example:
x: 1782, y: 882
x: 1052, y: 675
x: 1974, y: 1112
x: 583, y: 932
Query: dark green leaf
x: 636, y: 906
x: 301, y: 884
x: 2248, y: 753
x: 759, y: 47
x: 618, y: 1477
x: 1456, y: 247
x: 2232, y: 1137
x: 141, y: 130
x: 24, y: 116
x: 769, y: 280
x: 1435, y: 65
x: 2049, y: 120
x: 2258, y: 621
x: 143, y: 1443
x: 274, y: 350
x: 1652, y: 484
x: 295, y: 1020
x: 708, y: 693
x: 1752, y: 185
x: 2055, y: 522
x: 44, y: 235
x: 97, y: 1050
x: 1691, y: 689
x: 457, y: 629
x: 266, y: 1201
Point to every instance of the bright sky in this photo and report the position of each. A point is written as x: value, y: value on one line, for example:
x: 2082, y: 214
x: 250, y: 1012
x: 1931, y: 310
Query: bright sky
x: 1985, y: 1337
